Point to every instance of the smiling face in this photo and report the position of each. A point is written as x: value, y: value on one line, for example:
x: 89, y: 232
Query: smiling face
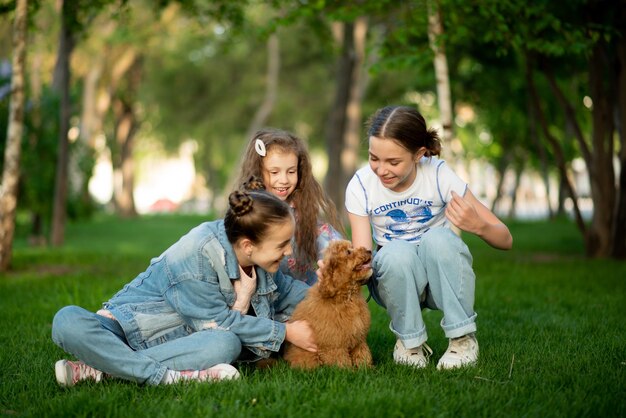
x: 394, y: 165
x: 268, y: 253
x: 280, y: 172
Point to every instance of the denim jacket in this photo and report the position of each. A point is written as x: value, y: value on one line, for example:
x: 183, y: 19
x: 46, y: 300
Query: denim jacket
x: 188, y: 289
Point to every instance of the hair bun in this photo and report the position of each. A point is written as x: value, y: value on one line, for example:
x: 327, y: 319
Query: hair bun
x: 240, y: 203
x: 253, y: 183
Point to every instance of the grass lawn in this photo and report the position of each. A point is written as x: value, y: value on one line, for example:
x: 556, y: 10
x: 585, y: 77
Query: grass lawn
x: 551, y: 330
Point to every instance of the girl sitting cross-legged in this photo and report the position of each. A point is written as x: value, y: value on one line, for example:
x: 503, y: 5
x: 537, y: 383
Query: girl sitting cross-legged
x: 213, y: 297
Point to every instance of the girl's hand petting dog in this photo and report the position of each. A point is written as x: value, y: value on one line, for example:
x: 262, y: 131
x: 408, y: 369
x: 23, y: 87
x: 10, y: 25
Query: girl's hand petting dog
x: 300, y: 334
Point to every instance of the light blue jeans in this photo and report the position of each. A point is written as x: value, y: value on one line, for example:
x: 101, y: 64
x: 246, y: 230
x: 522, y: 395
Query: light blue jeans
x: 436, y: 274
x: 100, y: 343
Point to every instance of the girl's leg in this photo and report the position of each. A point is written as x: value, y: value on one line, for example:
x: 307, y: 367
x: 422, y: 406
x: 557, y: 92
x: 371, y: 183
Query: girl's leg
x: 100, y: 343
x: 451, y: 280
x: 398, y: 282
x: 197, y: 351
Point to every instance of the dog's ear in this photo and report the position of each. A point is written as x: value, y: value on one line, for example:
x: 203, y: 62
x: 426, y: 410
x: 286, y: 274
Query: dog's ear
x: 327, y: 281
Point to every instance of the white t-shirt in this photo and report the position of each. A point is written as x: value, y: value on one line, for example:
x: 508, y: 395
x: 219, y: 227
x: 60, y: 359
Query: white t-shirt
x: 408, y: 214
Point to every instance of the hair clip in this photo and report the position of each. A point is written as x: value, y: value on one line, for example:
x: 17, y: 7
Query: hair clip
x: 259, y: 146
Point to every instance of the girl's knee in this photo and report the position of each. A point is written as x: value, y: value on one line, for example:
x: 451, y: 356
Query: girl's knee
x: 233, y: 343
x: 64, y: 323
x: 224, y: 348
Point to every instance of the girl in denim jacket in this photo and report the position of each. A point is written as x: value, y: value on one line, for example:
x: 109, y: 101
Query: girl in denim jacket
x: 281, y: 159
x: 210, y: 297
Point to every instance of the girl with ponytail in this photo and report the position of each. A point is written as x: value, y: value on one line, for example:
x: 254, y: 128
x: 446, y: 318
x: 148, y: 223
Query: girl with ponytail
x: 409, y: 199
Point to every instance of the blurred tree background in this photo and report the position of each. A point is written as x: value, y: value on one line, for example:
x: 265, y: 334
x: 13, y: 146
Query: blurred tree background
x: 530, y: 98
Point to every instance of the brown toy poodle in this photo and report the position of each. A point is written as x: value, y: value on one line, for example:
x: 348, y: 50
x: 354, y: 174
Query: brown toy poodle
x: 336, y: 311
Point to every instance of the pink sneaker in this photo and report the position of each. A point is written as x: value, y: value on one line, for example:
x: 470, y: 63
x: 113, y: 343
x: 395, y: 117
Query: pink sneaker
x: 218, y: 372
x: 68, y: 373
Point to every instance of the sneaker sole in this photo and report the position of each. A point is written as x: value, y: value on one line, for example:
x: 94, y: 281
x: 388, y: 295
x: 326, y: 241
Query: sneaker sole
x: 449, y: 366
x: 411, y: 364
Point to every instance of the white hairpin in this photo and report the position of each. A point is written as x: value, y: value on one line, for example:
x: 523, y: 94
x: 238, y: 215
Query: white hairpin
x: 259, y: 146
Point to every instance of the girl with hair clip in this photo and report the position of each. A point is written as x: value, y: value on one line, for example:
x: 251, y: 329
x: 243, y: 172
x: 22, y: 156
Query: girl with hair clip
x: 281, y: 159
x: 409, y: 198
x: 213, y: 297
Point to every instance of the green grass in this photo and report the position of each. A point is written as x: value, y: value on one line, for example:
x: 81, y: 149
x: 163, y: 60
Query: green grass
x: 551, y: 330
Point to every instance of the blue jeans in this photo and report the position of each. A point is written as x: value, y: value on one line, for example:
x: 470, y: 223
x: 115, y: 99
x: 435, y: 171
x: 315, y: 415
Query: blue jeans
x: 435, y: 274
x: 100, y: 343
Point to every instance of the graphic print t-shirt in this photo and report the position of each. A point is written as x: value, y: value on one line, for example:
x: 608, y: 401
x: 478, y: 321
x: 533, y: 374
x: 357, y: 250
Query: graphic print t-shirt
x: 408, y: 214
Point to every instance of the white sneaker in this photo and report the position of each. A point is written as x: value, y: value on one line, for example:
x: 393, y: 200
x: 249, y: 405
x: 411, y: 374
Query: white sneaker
x: 462, y: 351
x: 416, y: 357
x: 218, y: 372
x: 68, y: 373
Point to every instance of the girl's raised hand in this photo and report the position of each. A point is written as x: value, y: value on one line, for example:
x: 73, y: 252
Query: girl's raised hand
x: 463, y: 214
x: 470, y: 215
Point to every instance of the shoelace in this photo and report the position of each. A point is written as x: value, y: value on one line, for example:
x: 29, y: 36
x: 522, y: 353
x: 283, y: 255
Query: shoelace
x: 423, y: 349
x: 80, y: 371
x: 427, y: 350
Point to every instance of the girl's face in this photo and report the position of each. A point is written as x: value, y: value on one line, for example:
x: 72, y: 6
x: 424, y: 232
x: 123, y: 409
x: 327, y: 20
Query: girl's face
x: 280, y: 172
x: 277, y: 244
x: 394, y: 165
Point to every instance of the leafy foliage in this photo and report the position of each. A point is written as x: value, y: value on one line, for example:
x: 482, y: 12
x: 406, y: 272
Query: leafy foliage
x: 223, y: 72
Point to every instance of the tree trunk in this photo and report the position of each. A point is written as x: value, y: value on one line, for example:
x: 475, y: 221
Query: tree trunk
x: 352, y: 134
x: 126, y: 127
x: 518, y: 176
x: 602, y: 180
x: 337, y: 120
x: 606, y: 229
x: 91, y: 121
x: 556, y: 147
x: 543, y: 158
x: 560, y: 210
x: 442, y: 75
x: 37, y: 235
x: 570, y: 116
x: 619, y: 231
x: 503, y: 164
x: 61, y: 84
x: 10, y: 174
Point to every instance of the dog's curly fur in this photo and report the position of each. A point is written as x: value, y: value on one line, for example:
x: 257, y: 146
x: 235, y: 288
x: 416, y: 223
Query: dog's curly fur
x: 336, y: 311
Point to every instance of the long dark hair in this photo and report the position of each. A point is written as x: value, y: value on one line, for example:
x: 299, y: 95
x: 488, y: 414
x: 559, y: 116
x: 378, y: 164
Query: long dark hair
x: 407, y: 127
x: 309, y: 199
